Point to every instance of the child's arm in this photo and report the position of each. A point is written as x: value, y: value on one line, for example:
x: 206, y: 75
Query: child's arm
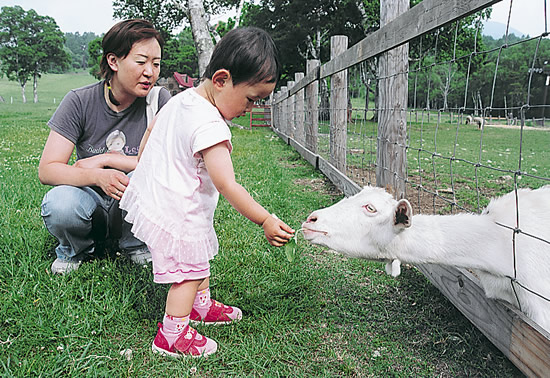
x: 220, y: 168
x: 145, y: 137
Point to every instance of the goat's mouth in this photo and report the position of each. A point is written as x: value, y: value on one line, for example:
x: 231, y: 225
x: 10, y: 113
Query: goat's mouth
x: 308, y: 232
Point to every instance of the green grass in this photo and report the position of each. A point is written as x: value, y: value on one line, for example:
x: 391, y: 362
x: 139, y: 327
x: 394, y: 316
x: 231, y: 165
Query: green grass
x: 322, y: 315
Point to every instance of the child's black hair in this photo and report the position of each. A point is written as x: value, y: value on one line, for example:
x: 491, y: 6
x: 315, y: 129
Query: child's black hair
x: 249, y: 54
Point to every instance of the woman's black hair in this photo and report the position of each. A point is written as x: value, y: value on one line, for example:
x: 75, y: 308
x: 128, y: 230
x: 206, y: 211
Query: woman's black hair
x: 249, y: 54
x: 120, y: 39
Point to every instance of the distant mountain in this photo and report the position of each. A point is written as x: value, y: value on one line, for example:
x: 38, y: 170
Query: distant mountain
x: 498, y: 30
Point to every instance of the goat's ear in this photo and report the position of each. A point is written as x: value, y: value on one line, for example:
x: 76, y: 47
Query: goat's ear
x: 403, y: 214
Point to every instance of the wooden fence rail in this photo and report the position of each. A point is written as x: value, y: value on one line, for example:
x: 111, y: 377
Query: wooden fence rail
x: 295, y: 117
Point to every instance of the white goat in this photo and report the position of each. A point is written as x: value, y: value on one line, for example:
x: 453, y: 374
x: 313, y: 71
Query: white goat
x: 479, y: 121
x: 373, y: 225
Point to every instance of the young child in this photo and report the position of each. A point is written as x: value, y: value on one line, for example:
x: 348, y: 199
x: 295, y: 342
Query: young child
x: 174, y: 190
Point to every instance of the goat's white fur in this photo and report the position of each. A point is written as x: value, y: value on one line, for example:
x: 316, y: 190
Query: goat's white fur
x: 375, y: 226
x: 479, y: 121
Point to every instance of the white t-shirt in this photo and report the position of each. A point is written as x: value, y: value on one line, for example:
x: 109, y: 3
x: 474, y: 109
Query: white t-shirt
x: 171, y: 199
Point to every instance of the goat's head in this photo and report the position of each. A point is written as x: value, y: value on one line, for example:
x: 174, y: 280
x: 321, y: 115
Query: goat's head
x: 360, y: 226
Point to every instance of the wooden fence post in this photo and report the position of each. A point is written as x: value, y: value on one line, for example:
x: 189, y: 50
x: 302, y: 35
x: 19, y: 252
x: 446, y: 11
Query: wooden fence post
x: 391, y: 167
x: 272, y: 100
x: 283, y: 126
x: 278, y: 111
x: 299, y: 110
x: 338, y: 107
x: 290, y: 111
x: 312, y: 114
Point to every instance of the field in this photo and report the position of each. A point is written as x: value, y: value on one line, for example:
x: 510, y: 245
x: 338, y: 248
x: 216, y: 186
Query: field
x: 454, y: 166
x: 321, y: 315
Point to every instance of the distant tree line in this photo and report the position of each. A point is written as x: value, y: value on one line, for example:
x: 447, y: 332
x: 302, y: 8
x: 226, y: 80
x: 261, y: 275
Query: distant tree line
x: 506, y: 88
x: 76, y: 45
x: 31, y: 44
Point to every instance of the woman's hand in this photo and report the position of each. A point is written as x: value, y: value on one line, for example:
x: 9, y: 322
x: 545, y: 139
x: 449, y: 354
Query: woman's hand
x: 112, y: 182
x: 277, y: 232
x: 105, y: 170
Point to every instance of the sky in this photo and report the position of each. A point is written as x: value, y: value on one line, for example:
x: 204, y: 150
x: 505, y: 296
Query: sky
x: 72, y: 15
x: 527, y: 17
x: 97, y: 15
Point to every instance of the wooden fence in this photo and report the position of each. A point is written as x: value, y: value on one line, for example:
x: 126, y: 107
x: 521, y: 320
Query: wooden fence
x: 297, y: 118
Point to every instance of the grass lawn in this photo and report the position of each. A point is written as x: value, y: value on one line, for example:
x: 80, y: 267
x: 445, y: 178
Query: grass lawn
x: 321, y: 315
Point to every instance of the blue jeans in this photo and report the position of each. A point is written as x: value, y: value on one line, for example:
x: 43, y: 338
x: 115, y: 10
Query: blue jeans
x: 79, y: 218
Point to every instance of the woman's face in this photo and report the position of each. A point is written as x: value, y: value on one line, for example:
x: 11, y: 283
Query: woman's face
x: 136, y: 74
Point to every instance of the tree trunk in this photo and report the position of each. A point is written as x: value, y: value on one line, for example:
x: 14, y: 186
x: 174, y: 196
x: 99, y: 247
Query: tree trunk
x: 239, y: 14
x: 201, y: 35
x: 35, y: 87
x: 23, y: 86
x: 391, y: 168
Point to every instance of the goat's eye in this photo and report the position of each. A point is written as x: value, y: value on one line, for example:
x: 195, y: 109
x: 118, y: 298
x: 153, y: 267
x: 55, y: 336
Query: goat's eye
x: 370, y: 208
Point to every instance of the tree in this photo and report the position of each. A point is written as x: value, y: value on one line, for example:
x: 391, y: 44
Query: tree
x: 180, y: 55
x: 454, y: 44
x: 77, y: 44
x: 516, y: 84
x: 201, y: 33
x: 166, y: 15
x: 95, y: 53
x: 49, y: 49
x: 16, y: 55
x: 29, y: 44
x: 302, y: 28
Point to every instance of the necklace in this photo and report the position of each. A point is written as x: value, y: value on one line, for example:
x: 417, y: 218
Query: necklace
x: 111, y: 96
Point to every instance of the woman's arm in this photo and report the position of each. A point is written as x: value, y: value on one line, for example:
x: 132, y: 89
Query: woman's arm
x: 220, y: 168
x: 109, y: 160
x: 54, y: 169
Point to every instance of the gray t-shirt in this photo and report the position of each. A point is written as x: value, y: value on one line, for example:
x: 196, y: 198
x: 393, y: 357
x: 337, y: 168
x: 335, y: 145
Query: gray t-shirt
x: 84, y: 118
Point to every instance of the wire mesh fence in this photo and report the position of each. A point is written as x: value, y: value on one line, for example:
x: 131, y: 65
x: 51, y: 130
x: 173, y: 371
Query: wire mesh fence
x: 475, y: 117
x: 445, y: 117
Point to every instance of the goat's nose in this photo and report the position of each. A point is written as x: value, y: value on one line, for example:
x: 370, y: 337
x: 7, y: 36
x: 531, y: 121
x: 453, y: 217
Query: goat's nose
x: 311, y: 219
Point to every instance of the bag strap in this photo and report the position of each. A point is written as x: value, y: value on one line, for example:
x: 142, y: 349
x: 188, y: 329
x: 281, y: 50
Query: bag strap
x: 152, y: 103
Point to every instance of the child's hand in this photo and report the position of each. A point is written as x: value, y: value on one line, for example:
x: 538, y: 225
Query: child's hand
x: 277, y: 232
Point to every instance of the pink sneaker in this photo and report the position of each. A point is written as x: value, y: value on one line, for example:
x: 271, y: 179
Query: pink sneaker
x: 190, y: 343
x: 218, y: 313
